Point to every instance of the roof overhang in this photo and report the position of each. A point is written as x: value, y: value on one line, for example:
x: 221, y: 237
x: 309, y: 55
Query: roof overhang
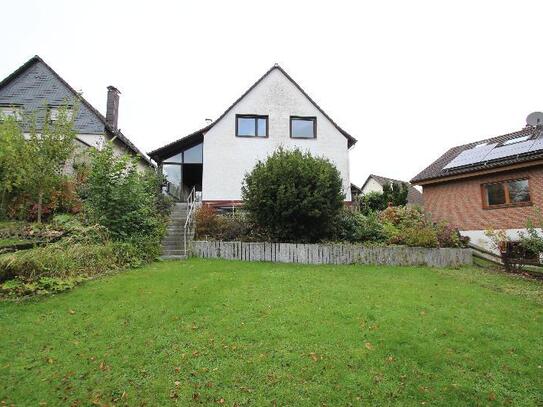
x: 480, y: 172
x: 179, y: 145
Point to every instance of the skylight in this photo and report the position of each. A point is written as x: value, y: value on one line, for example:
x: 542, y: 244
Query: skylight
x: 515, y: 140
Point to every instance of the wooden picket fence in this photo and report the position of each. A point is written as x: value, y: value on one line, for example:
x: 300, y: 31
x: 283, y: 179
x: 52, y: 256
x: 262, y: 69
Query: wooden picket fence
x: 332, y: 254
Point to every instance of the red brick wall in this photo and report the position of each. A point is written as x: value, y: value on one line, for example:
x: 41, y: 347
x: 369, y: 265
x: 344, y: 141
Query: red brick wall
x: 460, y: 202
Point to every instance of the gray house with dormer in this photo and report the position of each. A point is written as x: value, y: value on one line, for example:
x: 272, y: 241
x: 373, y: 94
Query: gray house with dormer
x: 36, y: 89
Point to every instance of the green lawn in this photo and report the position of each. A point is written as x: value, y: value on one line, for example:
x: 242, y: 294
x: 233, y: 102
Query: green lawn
x: 204, y: 332
x: 11, y: 241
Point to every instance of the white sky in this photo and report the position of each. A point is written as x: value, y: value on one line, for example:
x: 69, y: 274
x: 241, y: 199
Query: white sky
x: 408, y: 79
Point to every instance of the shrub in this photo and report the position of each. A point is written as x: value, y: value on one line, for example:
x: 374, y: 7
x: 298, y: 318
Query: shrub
x: 228, y: 227
x: 61, y: 265
x: 238, y: 227
x: 410, y: 226
x: 207, y: 222
x: 447, y: 236
x: 355, y: 227
x: 371, y: 228
x: 347, y: 226
x: 419, y: 237
x: 127, y: 203
x: 294, y: 196
x: 532, y: 240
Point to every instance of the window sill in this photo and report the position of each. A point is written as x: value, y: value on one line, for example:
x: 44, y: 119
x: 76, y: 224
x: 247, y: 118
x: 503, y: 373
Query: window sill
x: 505, y: 206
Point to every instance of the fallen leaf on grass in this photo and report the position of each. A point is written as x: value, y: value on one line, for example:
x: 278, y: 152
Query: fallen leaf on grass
x: 314, y: 356
x: 368, y: 346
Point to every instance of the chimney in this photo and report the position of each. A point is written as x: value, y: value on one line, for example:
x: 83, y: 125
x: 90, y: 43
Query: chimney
x: 112, y: 112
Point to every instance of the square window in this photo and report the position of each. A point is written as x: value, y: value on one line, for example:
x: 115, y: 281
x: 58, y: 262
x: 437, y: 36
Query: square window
x: 519, y: 191
x: 495, y: 194
x: 507, y: 193
x: 303, y: 127
x: 251, y: 126
x: 11, y: 111
x: 55, y: 112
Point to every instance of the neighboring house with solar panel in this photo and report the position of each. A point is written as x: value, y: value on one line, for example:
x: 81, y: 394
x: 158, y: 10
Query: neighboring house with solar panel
x: 36, y: 89
x: 275, y: 111
x: 494, y: 183
x: 375, y: 183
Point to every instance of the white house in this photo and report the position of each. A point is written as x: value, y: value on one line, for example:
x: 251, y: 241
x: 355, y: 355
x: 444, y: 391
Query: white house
x: 375, y: 183
x: 274, y: 112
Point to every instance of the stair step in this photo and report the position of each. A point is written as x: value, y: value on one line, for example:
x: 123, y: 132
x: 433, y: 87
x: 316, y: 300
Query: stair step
x: 173, y: 253
x: 173, y: 257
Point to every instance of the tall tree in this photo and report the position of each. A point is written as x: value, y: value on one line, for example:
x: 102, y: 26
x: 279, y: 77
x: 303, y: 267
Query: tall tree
x: 13, y: 159
x: 48, y: 150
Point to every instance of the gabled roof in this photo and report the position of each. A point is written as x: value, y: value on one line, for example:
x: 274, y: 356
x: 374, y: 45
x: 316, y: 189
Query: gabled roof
x: 437, y: 171
x: 414, y: 196
x: 351, y: 141
x: 111, y: 132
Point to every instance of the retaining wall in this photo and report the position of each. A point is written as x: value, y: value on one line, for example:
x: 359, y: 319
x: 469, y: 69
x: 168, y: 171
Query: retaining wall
x: 332, y: 254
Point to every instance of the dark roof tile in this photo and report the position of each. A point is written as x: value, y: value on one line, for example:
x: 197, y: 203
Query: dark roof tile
x: 436, y: 170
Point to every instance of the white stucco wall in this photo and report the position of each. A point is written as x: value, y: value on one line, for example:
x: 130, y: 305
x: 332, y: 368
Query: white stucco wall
x: 372, y: 186
x: 478, y: 237
x: 227, y: 158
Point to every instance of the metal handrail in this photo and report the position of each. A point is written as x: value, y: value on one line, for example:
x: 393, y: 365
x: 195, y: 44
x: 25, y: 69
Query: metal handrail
x: 191, y: 200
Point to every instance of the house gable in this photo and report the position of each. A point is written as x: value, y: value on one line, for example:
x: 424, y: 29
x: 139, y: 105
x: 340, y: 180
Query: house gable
x: 276, y: 95
x: 35, y: 87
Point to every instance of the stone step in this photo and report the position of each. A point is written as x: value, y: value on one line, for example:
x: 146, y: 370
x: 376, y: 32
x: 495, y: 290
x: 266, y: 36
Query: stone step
x: 173, y: 257
x: 174, y: 239
x: 173, y: 245
x: 173, y: 253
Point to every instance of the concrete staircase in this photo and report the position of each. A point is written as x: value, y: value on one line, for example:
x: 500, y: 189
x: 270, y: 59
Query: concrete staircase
x: 173, y: 245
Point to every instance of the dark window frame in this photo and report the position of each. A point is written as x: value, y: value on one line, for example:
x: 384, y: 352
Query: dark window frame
x: 256, y: 117
x: 508, y: 203
x: 182, y: 152
x: 306, y: 118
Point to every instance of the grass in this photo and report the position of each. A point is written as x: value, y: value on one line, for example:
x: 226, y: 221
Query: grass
x: 203, y: 332
x: 11, y: 241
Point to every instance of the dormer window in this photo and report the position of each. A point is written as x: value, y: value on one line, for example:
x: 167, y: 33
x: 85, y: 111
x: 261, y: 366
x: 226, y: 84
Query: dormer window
x: 250, y: 125
x: 303, y: 127
x: 54, y: 113
x: 11, y: 111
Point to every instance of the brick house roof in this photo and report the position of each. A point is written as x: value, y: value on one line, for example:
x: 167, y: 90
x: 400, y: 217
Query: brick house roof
x: 437, y: 170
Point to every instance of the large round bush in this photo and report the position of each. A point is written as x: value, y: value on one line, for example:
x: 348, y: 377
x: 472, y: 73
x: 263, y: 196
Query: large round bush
x: 293, y: 196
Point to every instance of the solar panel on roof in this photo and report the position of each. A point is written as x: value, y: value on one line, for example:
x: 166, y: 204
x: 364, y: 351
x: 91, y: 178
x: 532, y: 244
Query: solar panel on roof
x: 509, y: 150
x: 538, y: 145
x: 471, y: 156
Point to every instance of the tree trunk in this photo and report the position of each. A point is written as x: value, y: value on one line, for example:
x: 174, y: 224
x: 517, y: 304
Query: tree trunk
x: 40, y: 201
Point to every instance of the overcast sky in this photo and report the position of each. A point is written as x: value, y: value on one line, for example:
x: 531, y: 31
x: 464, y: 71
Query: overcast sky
x: 408, y: 79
